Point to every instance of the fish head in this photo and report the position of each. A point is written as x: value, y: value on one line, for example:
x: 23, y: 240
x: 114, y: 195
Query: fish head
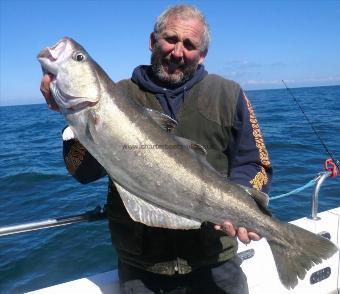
x: 75, y: 85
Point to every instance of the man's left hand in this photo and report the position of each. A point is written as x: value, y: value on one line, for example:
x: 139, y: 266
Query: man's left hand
x: 241, y: 233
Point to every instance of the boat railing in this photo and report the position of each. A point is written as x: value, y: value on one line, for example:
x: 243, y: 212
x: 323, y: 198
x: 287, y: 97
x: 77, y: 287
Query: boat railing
x: 319, y: 180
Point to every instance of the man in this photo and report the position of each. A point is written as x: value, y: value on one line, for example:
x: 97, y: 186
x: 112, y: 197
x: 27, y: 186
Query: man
x: 211, y: 111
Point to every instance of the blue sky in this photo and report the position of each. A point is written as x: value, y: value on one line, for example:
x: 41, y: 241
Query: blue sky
x: 256, y: 43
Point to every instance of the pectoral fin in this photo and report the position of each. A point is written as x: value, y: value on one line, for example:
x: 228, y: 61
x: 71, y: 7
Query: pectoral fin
x: 150, y: 215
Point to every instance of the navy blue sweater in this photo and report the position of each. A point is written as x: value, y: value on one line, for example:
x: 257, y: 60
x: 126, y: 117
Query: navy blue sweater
x: 171, y: 100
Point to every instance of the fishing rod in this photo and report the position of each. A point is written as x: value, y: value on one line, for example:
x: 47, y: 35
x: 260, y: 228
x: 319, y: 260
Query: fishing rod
x: 336, y: 162
x: 96, y: 214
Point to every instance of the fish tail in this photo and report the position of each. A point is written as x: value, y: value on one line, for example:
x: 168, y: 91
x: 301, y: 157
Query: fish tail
x: 297, y: 251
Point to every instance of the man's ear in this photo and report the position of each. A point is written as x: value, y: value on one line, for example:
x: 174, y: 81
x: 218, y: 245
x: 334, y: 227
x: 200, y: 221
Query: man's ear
x: 202, y: 56
x: 152, y: 41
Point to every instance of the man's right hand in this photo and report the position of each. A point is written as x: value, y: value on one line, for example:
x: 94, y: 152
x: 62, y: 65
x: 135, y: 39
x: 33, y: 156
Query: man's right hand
x: 45, y: 90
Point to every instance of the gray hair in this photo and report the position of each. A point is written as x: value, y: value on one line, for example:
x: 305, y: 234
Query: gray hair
x: 183, y: 12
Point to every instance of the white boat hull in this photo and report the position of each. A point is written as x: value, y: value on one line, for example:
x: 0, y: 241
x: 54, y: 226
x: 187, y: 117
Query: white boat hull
x: 259, y: 267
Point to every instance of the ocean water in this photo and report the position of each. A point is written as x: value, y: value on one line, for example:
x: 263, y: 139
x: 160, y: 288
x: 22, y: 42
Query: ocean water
x: 34, y: 184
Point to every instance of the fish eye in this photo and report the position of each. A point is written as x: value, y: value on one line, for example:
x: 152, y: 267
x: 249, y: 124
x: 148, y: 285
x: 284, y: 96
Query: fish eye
x: 78, y: 56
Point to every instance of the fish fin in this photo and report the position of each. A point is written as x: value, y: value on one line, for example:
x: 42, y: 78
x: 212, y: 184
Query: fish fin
x: 169, y: 124
x: 262, y: 199
x: 164, y: 121
x: 197, y: 148
x: 150, y: 215
x: 297, y: 252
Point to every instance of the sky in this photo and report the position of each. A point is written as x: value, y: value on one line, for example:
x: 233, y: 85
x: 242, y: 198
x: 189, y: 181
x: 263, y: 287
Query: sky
x: 256, y: 43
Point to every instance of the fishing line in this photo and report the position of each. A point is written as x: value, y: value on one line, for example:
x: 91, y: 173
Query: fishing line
x: 336, y: 162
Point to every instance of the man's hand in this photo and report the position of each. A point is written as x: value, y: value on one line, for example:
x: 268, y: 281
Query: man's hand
x: 45, y: 90
x: 242, y: 233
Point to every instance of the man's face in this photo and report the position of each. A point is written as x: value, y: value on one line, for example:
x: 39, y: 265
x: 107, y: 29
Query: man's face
x: 177, y: 51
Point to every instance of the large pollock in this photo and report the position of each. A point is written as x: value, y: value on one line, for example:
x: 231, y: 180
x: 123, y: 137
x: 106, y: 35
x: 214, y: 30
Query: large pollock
x: 162, y: 182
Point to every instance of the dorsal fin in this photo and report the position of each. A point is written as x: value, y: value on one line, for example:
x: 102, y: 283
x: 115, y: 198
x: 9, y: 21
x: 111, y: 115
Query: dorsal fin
x: 169, y: 124
x: 166, y: 122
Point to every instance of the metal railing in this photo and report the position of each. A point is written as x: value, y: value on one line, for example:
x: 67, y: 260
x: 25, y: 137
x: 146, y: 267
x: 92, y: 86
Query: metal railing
x: 315, y: 196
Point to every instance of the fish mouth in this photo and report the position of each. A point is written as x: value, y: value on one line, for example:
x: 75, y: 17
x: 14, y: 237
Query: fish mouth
x: 49, y: 56
x: 53, y: 53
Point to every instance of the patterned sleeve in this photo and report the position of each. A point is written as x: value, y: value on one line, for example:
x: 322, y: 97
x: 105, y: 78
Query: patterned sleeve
x: 80, y: 163
x: 248, y: 156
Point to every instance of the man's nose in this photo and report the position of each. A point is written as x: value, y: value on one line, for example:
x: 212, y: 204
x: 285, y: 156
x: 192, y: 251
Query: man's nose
x: 178, y: 50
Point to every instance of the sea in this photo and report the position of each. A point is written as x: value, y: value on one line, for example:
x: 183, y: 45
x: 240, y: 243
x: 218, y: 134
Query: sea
x: 35, y: 185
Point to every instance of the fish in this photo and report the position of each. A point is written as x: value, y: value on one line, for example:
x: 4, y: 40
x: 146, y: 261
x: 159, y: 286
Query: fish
x: 165, y: 180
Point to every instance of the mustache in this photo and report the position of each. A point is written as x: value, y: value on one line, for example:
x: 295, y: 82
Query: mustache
x: 157, y: 58
x: 169, y: 60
